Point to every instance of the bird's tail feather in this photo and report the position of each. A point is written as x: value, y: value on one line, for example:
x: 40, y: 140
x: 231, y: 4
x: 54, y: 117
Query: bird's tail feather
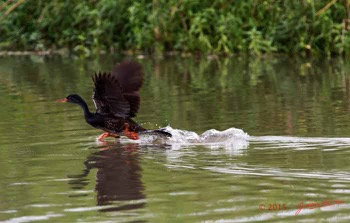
x: 160, y: 132
x: 163, y: 132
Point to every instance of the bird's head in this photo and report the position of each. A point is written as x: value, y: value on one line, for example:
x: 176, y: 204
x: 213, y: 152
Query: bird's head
x: 72, y: 98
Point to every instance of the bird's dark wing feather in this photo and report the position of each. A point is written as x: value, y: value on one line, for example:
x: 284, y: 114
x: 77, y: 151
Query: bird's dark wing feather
x: 108, y: 96
x: 129, y: 75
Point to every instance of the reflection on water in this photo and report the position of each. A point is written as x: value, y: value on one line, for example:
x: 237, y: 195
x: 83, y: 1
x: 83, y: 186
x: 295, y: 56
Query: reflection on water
x: 295, y: 110
x: 118, y: 176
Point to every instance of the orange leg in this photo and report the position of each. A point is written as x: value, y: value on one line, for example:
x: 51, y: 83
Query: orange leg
x: 105, y: 135
x: 130, y: 134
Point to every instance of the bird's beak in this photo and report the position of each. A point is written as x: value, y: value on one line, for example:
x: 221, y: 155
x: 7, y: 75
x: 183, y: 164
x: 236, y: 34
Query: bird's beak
x: 62, y: 100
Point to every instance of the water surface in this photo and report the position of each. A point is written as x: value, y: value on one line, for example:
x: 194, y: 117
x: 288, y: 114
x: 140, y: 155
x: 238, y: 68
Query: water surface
x: 295, y: 110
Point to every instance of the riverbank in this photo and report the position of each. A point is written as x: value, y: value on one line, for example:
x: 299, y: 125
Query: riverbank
x: 189, y: 27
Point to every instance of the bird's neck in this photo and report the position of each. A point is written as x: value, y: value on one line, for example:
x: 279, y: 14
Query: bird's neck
x: 85, y: 108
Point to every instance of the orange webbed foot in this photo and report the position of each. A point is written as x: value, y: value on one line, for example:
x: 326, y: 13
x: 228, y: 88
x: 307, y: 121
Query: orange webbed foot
x: 105, y: 135
x: 130, y: 134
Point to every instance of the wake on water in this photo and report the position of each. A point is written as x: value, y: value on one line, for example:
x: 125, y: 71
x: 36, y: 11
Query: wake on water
x: 236, y: 139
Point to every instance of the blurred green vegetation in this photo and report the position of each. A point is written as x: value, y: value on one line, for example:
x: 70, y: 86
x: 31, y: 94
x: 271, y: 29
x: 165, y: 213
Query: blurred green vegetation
x: 186, y: 26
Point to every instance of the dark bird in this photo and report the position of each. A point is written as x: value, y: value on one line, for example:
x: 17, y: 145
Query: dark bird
x: 117, y: 100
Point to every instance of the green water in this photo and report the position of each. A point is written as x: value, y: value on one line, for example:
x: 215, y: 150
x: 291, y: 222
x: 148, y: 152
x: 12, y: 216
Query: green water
x: 295, y: 110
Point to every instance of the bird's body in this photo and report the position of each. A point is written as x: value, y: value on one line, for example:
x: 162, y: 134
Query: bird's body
x: 114, y: 125
x: 117, y: 100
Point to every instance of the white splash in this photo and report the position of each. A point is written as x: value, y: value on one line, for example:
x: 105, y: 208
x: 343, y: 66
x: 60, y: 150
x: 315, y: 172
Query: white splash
x: 231, y: 138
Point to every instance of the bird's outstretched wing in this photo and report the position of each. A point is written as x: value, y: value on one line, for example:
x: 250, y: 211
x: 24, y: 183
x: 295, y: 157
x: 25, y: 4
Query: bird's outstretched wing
x: 117, y: 93
x: 108, y: 97
x: 130, y: 77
